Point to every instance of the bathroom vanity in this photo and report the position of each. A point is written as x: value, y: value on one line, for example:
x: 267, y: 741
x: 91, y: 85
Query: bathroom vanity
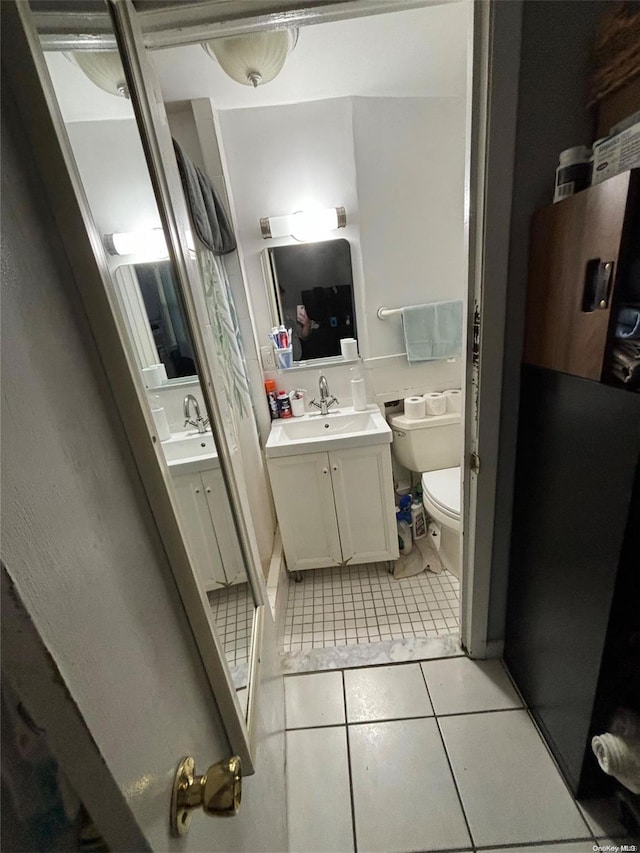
x: 333, y: 488
x: 204, y: 509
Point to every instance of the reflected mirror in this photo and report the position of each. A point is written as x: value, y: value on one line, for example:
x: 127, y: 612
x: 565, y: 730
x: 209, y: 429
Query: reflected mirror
x: 311, y: 287
x: 106, y: 146
x: 155, y: 318
x: 152, y: 287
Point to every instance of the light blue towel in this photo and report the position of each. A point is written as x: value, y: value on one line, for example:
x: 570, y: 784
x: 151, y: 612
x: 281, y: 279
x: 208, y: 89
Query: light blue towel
x: 433, y: 331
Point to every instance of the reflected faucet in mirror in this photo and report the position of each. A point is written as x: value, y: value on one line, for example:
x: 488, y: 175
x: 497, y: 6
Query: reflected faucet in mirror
x: 326, y: 398
x: 200, y: 423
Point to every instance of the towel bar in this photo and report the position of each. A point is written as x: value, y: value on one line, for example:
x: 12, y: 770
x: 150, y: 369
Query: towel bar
x: 384, y: 313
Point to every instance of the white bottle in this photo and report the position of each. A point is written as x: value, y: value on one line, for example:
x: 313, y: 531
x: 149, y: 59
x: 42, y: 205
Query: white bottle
x: 404, y: 537
x: 418, y: 521
x: 358, y: 391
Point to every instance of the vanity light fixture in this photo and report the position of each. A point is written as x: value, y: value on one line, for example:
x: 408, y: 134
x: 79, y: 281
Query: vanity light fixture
x: 304, y: 225
x: 102, y: 67
x: 254, y: 58
x: 149, y: 244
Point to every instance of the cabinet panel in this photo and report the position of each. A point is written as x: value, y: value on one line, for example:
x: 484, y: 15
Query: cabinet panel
x: 304, y: 503
x: 578, y: 446
x: 567, y: 241
x: 363, y: 492
x: 222, y: 520
x: 196, y: 521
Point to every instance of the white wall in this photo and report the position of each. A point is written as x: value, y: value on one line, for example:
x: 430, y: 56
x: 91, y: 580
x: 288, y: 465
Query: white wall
x: 410, y: 177
x: 397, y: 165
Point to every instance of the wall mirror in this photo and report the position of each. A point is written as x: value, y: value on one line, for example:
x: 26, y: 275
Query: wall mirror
x: 148, y: 297
x: 103, y: 145
x: 311, y: 292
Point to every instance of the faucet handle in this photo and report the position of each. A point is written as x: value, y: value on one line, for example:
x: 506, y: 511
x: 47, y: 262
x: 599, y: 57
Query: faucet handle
x: 315, y: 403
x: 332, y: 402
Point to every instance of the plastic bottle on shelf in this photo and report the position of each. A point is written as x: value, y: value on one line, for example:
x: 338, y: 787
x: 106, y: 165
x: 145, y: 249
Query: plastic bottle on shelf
x: 418, y: 520
x: 284, y: 405
x: 272, y: 398
x: 404, y: 532
x: 358, y: 391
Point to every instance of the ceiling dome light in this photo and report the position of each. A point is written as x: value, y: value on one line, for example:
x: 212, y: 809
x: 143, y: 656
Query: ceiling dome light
x: 255, y: 58
x: 102, y: 67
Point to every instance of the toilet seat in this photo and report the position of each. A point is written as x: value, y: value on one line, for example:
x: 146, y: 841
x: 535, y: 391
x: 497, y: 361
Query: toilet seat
x: 441, y: 490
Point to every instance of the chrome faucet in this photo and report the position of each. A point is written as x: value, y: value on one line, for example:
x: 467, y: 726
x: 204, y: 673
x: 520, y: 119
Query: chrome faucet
x: 326, y: 399
x: 200, y: 422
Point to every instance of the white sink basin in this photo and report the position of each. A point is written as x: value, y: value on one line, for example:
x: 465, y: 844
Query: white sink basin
x: 313, y: 433
x: 190, y: 451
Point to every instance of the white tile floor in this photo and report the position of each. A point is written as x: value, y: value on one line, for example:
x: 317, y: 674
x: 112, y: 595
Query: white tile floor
x: 365, y: 604
x: 438, y: 755
x: 232, y: 609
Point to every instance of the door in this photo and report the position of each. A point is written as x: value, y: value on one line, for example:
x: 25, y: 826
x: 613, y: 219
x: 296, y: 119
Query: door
x: 195, y: 516
x: 304, y: 502
x: 363, y: 492
x: 215, y: 494
x: 95, y: 639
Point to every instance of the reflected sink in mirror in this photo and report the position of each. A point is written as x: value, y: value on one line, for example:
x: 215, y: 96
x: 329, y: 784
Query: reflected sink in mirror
x: 190, y: 451
x: 313, y: 433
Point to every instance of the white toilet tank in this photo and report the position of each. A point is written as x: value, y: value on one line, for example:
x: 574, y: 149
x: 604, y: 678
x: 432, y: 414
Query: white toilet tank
x: 427, y: 444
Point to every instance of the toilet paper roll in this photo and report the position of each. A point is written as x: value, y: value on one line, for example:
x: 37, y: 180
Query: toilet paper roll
x: 454, y: 400
x: 435, y: 403
x: 162, y: 424
x: 154, y: 375
x: 349, y: 348
x: 414, y: 407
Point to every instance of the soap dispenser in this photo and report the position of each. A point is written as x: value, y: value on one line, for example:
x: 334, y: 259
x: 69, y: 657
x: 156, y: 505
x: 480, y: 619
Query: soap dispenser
x: 358, y: 390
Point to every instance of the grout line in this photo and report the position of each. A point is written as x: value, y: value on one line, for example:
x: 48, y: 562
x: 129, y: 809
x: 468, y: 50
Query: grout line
x: 353, y: 810
x: 548, y: 748
x: 453, y: 777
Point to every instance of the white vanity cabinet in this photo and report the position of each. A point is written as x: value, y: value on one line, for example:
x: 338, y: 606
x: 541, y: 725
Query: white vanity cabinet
x: 335, y: 507
x: 208, y: 524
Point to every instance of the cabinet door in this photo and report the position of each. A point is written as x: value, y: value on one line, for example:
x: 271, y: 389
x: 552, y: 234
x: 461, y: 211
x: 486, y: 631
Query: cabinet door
x: 363, y: 492
x: 304, y: 504
x: 571, y: 242
x: 218, y: 502
x: 196, y: 521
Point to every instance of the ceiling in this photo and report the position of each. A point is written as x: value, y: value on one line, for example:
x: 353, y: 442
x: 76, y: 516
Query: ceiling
x: 414, y: 53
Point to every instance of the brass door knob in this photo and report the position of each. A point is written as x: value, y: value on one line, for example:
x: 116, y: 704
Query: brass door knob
x: 217, y: 792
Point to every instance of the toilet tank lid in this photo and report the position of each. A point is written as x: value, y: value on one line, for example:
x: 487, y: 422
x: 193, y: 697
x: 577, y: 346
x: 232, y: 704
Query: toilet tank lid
x: 403, y: 422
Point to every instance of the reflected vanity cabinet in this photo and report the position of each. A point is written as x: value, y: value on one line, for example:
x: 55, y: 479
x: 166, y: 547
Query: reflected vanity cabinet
x: 577, y: 251
x: 207, y: 522
x: 335, y: 508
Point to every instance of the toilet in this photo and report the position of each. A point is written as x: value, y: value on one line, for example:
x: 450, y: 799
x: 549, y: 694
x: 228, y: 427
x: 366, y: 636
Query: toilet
x: 432, y: 447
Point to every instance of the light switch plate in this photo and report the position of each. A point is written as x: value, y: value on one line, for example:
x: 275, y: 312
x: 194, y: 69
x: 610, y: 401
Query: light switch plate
x: 266, y: 356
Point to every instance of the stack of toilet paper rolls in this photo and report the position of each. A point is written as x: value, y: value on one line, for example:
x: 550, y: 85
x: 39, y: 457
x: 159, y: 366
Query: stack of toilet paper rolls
x: 434, y: 403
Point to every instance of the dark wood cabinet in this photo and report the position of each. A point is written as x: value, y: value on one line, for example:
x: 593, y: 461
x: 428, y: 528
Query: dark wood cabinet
x: 578, y: 251
x: 573, y: 516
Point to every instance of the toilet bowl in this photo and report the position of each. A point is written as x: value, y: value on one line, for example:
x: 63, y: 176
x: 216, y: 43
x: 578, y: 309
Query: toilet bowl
x: 441, y: 499
x: 431, y: 447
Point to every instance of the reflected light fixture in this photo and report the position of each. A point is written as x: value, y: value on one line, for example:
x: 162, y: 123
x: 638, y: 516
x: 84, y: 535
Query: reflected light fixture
x: 304, y: 225
x: 254, y: 58
x: 148, y: 244
x: 103, y: 68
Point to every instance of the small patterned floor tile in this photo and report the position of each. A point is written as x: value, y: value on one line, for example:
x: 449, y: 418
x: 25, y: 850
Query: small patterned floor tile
x: 353, y: 605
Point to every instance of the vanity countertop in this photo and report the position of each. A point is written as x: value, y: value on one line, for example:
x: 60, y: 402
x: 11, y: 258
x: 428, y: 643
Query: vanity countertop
x: 341, y: 428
